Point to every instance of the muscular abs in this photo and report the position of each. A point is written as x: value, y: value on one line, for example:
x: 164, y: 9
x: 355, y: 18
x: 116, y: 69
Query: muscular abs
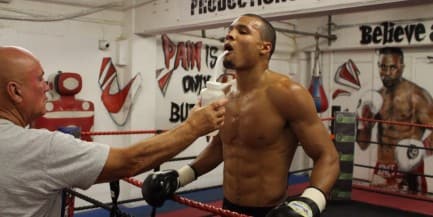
x: 257, y: 150
x: 397, y: 106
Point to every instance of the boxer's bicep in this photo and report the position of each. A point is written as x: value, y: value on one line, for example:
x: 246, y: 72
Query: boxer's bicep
x: 296, y: 106
x: 306, y: 124
x: 424, y: 111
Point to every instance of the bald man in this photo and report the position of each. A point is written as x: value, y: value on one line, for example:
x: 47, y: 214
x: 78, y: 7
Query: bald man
x: 37, y: 164
x: 267, y: 118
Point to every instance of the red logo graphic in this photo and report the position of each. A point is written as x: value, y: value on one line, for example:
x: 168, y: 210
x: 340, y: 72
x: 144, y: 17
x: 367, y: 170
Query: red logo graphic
x: 118, y: 101
x: 186, y: 54
x: 348, y: 75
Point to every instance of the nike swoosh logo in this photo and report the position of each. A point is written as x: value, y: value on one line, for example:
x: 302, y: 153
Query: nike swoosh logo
x: 118, y: 101
x: 114, y: 102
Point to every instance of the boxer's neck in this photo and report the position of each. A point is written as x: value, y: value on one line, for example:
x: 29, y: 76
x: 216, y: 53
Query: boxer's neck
x: 251, y: 79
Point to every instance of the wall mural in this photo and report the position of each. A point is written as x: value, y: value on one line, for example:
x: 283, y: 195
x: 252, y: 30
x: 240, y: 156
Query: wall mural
x: 401, y: 149
x: 183, y: 69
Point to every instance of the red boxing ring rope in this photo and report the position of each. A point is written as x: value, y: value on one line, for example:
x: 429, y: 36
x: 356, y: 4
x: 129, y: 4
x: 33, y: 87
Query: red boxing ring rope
x: 327, y: 119
x: 103, y: 133
x: 397, y: 123
x: 194, y: 204
x: 128, y: 132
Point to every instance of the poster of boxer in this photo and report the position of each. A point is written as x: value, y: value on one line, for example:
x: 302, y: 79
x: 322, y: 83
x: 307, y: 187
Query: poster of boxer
x: 386, y: 89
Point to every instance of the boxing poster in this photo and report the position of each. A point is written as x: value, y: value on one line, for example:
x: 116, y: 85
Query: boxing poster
x: 394, y: 109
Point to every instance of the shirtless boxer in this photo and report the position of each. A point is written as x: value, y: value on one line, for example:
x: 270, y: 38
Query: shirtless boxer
x: 266, y: 119
x: 403, y: 101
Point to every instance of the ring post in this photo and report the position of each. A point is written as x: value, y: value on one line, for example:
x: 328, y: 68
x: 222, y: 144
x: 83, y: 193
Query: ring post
x: 114, y: 190
x: 345, y: 137
x: 68, y: 200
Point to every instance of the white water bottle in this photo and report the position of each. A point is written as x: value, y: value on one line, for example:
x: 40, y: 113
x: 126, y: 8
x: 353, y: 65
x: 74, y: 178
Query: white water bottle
x: 213, y: 91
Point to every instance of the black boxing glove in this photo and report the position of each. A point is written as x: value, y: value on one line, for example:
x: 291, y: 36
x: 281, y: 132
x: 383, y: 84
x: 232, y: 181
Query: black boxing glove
x: 159, y: 186
x: 310, y: 204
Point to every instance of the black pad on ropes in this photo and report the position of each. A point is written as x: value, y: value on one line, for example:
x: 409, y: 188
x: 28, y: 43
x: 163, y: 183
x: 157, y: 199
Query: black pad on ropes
x: 67, y: 198
x: 67, y: 203
x: 345, y: 136
x: 115, y: 190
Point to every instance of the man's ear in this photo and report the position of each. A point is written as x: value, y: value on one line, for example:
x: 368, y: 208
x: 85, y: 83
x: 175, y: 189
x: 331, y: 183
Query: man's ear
x: 14, y: 91
x: 266, y: 48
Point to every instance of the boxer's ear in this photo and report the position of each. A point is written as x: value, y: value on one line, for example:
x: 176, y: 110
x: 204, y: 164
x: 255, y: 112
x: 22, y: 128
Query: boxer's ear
x: 266, y: 48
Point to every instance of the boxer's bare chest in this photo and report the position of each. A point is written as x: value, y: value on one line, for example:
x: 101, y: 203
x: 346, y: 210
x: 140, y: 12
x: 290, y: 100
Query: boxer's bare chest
x: 251, y: 119
x: 398, y: 107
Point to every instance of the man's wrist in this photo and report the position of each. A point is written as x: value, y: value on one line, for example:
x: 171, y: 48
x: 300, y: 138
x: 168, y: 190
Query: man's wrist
x: 191, y: 128
x: 187, y: 174
x: 316, y: 195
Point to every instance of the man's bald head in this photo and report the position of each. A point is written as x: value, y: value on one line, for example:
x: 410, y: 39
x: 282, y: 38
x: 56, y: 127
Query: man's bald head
x: 14, y: 63
x: 22, y: 87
